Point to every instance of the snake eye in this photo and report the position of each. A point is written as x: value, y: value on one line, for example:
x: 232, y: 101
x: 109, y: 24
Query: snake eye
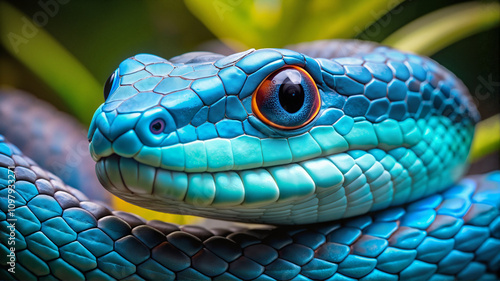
x: 157, y: 126
x: 287, y: 99
x: 109, y: 85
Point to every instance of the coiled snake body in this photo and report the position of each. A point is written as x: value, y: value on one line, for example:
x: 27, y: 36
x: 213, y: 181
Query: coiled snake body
x: 270, y: 136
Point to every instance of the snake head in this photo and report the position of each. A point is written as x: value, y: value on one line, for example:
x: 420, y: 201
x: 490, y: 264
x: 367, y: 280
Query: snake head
x: 274, y: 135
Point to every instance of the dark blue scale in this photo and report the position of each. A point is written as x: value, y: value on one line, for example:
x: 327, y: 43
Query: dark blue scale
x: 58, y: 231
x: 356, y: 266
x: 310, y: 239
x: 115, y: 265
x: 98, y: 211
x: 170, y: 257
x: 333, y: 252
x: 33, y: 263
x: 192, y: 274
x: 282, y: 270
x: 78, y: 256
x: 245, y: 268
x: 96, y: 241
x: 369, y: 246
x: 346, y: 235
x: 42, y: 246
x: 132, y: 249
x: 149, y: 236
x: 297, y: 254
x: 27, y: 221
x: 114, y: 227
x: 432, y: 249
x: 186, y: 242
x: 152, y: 270
x: 261, y: 253
x: 208, y: 263
x: 44, y: 207
x: 318, y: 269
x: 394, y: 260
x: 444, y: 226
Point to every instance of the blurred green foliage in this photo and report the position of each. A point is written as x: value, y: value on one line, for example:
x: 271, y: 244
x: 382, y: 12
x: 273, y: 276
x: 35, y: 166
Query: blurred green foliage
x: 260, y: 23
x: 439, y: 29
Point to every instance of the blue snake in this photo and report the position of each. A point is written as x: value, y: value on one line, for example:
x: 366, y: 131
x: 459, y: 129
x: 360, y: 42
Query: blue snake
x: 352, y: 148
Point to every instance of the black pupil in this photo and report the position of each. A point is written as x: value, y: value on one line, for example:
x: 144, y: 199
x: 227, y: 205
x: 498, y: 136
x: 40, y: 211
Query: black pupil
x: 157, y: 126
x: 107, y: 85
x: 291, y: 96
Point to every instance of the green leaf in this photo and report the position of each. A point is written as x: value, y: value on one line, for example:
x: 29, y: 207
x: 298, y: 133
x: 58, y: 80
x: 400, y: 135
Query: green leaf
x: 486, y: 138
x: 275, y: 23
x: 441, y: 28
x: 50, y: 61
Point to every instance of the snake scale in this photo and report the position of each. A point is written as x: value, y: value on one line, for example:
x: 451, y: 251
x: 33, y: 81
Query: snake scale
x: 352, y: 148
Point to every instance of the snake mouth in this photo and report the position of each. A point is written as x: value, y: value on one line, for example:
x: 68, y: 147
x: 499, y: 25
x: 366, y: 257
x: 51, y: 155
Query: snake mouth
x: 319, y: 189
x: 226, y: 189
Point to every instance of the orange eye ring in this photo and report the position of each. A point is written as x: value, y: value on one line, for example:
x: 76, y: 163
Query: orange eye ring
x: 287, y: 99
